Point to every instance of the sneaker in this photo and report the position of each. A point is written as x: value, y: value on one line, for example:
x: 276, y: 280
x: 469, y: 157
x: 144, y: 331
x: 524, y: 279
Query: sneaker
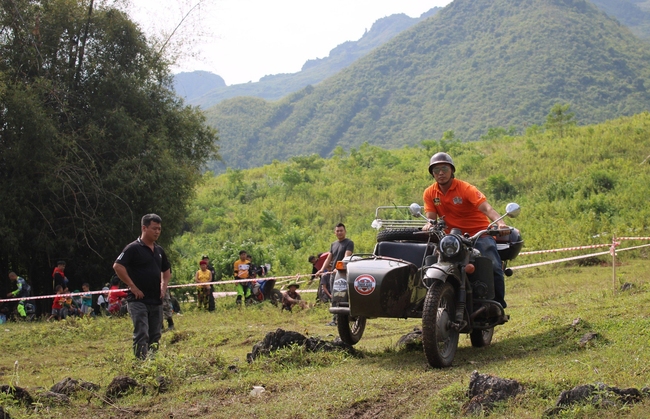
x: 331, y: 324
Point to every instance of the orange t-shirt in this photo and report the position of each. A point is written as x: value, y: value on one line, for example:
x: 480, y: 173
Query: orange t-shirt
x: 459, y: 206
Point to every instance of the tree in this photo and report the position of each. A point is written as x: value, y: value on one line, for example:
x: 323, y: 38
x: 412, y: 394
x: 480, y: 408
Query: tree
x: 91, y: 138
x: 559, y: 119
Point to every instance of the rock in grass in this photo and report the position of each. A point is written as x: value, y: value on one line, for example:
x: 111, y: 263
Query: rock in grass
x: 4, y: 414
x: 69, y: 386
x: 120, y: 386
x: 285, y: 338
x: 163, y: 384
x: 18, y: 393
x: 586, y: 338
x: 599, y: 395
x: 411, y: 341
x: 50, y: 398
x: 485, y: 390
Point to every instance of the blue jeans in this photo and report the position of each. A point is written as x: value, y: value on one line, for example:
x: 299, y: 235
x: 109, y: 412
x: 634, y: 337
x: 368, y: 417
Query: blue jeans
x: 147, y: 321
x: 488, y: 248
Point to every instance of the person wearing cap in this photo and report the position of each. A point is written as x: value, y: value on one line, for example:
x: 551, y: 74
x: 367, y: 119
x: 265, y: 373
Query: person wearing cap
x: 291, y: 298
x: 203, y: 276
x: 466, y: 208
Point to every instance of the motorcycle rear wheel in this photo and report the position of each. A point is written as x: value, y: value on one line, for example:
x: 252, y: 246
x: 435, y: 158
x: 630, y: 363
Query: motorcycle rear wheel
x: 350, y: 328
x: 481, y: 338
x: 439, y: 339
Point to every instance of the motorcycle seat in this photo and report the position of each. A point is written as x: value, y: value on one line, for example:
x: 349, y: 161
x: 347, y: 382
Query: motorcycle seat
x: 410, y: 252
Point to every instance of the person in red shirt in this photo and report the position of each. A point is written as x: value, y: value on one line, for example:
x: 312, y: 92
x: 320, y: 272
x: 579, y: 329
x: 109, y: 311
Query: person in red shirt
x: 466, y: 208
x: 116, y: 306
x: 57, y: 304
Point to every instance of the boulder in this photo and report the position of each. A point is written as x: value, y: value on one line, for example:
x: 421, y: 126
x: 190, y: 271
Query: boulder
x: 282, y: 339
x: 120, y: 386
x: 18, y: 393
x: 485, y: 390
x: 69, y: 386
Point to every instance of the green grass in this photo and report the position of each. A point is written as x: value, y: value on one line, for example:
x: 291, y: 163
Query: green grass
x: 538, y: 347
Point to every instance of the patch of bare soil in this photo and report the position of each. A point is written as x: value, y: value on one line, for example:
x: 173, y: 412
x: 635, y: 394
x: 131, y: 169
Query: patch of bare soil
x: 390, y: 403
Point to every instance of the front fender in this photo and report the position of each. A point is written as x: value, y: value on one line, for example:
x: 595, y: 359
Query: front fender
x: 439, y: 272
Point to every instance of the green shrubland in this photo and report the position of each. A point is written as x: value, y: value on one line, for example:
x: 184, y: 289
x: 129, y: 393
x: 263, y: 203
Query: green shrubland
x: 576, y: 188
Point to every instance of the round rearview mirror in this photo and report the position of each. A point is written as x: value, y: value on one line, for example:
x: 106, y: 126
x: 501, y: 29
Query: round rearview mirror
x: 513, y: 210
x: 415, y: 209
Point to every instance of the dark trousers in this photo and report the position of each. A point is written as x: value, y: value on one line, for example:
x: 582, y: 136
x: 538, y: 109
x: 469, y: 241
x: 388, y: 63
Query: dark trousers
x: 147, y: 321
x: 488, y: 248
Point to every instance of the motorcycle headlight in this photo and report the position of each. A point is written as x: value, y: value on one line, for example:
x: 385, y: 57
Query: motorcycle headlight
x: 449, y: 245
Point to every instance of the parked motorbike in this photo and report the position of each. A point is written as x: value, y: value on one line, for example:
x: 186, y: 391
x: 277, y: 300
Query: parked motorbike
x: 438, y: 277
x: 263, y: 289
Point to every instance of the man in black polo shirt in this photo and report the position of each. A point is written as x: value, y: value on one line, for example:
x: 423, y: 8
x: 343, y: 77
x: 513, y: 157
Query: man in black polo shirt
x: 140, y: 266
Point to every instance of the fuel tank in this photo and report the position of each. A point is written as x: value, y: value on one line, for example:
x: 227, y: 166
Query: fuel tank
x: 382, y: 288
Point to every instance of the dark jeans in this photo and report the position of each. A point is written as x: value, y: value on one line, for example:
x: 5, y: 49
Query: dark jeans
x: 147, y: 321
x: 488, y: 248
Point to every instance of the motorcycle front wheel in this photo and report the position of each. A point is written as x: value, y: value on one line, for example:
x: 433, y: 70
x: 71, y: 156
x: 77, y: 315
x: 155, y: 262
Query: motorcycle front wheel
x: 350, y: 328
x: 481, y: 338
x: 439, y: 339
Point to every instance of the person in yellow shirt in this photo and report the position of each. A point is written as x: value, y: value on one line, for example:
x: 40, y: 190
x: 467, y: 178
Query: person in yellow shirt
x: 203, y: 276
x: 241, y: 271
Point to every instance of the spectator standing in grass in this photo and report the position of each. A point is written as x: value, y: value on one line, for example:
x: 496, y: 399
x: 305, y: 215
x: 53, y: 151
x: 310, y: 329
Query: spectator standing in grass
x: 211, y: 304
x: 241, y: 271
x: 143, y: 266
x: 57, y: 304
x: 339, y: 249
x: 86, y: 300
x: 203, y: 276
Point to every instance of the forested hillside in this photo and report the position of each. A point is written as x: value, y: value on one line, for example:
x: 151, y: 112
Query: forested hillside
x: 477, y: 64
x: 576, y: 186
x: 276, y: 86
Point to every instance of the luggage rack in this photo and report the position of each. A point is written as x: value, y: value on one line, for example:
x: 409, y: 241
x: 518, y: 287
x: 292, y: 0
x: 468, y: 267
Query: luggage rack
x: 399, y: 217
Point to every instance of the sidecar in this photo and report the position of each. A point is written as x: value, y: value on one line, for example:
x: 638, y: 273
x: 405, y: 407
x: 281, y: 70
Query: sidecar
x: 386, y: 283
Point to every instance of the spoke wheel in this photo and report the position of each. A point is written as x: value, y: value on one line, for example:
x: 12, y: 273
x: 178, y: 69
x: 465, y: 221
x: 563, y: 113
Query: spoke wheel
x: 481, y: 338
x: 440, y: 341
x: 350, y: 328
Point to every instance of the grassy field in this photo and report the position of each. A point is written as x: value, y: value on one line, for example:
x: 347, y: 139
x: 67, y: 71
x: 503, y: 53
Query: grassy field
x: 204, y: 359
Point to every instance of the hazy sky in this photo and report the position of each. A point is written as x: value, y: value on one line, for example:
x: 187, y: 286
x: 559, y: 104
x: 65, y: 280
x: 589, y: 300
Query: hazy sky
x: 243, y: 40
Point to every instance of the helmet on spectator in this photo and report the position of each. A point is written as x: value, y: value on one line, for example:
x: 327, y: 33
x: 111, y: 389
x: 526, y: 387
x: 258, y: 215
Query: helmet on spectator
x: 439, y: 158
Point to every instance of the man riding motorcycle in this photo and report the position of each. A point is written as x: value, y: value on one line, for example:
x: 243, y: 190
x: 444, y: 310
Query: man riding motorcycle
x: 464, y: 207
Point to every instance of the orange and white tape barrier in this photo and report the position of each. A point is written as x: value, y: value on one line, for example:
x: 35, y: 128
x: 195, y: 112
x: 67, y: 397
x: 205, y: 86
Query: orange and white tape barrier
x: 284, y: 279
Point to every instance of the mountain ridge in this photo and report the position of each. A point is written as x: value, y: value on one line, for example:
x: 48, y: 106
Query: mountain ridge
x: 475, y: 65
x: 276, y: 86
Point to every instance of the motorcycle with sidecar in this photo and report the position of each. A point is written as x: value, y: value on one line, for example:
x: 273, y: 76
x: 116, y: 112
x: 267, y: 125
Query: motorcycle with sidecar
x: 434, y: 275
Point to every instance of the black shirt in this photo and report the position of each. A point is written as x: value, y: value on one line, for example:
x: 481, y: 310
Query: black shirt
x: 338, y: 250
x: 144, y: 268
